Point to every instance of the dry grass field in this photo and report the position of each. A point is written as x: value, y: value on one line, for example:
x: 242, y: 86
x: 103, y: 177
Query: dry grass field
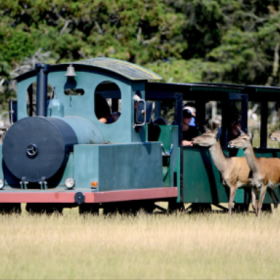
x: 183, y: 246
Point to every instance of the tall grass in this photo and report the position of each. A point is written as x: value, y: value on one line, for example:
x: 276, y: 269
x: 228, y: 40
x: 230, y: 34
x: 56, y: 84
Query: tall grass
x: 183, y: 246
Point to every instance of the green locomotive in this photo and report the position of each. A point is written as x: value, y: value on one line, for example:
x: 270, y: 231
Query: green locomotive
x: 60, y: 153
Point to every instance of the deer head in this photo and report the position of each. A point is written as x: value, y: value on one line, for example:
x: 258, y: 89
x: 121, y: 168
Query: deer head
x: 207, y: 139
x: 242, y: 142
x: 275, y: 136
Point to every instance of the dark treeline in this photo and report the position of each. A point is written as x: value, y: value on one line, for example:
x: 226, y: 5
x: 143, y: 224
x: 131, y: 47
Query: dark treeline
x: 183, y: 41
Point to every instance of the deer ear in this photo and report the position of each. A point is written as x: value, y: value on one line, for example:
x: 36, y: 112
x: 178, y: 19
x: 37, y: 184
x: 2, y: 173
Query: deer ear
x: 250, y: 134
x: 206, y: 128
x: 216, y: 131
x: 241, y: 131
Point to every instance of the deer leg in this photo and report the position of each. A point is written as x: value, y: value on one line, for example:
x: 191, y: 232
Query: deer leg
x: 262, y: 195
x: 254, y: 195
x: 274, y: 198
x: 231, y: 198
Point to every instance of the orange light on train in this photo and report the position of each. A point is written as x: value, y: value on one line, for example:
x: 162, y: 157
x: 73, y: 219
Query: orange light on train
x: 94, y: 185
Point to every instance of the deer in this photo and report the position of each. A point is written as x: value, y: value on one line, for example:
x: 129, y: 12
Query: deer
x: 234, y: 170
x: 275, y: 136
x: 265, y: 171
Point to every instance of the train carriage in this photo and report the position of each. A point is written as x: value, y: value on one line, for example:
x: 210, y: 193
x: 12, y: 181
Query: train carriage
x: 58, y: 153
x: 201, y: 183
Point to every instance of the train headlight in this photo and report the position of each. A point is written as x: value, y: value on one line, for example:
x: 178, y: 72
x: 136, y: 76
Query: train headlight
x: 69, y: 183
x: 1, y: 184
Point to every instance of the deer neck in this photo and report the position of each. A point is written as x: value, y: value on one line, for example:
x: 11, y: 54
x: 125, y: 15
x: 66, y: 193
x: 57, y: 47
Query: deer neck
x: 251, y: 158
x: 220, y: 160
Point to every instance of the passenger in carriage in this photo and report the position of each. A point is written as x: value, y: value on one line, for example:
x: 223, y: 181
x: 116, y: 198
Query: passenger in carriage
x: 154, y: 130
x: 102, y: 109
x: 115, y: 116
x: 189, y: 132
x: 233, y: 128
x: 191, y: 106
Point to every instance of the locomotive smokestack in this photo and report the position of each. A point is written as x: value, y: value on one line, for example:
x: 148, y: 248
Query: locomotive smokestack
x: 42, y: 89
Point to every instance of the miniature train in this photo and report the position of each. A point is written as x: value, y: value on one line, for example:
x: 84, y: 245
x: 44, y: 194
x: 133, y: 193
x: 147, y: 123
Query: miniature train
x: 58, y: 153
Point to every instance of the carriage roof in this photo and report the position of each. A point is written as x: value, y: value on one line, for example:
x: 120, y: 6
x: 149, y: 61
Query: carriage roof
x: 215, y: 91
x: 125, y: 69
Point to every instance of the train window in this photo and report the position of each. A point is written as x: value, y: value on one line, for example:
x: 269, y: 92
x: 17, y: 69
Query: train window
x: 107, y: 100
x: 231, y: 120
x: 213, y: 114
x: 269, y: 113
x: 273, y: 123
x: 165, y: 109
x: 254, y: 117
x: 74, y: 91
x: 31, y: 98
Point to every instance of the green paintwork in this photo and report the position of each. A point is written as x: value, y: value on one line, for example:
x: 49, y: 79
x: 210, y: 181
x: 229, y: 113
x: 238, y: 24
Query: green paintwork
x: 118, y: 166
x: 85, y: 130
x: 177, y: 171
x: 201, y: 179
x: 169, y: 138
x: 69, y: 169
x: 86, y: 165
x: 83, y: 105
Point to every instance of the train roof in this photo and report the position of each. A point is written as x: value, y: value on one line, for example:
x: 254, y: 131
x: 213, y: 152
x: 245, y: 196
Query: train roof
x: 128, y: 70
x: 183, y: 87
x: 125, y: 69
x: 216, y: 90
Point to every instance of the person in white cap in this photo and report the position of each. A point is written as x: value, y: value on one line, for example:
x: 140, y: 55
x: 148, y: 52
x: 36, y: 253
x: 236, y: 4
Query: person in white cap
x: 189, y: 132
x: 193, y: 111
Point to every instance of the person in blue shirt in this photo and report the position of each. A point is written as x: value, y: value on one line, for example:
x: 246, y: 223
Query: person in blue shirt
x: 189, y: 132
x: 193, y: 111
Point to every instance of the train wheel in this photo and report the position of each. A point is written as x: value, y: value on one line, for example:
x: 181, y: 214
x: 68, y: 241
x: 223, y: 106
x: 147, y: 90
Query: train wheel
x: 39, y: 208
x: 89, y: 208
x: 10, y: 208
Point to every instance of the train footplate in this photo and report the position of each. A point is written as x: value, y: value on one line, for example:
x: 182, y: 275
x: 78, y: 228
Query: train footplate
x: 83, y: 196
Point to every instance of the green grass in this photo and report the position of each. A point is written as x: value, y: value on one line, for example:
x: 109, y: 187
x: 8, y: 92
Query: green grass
x: 211, y: 246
